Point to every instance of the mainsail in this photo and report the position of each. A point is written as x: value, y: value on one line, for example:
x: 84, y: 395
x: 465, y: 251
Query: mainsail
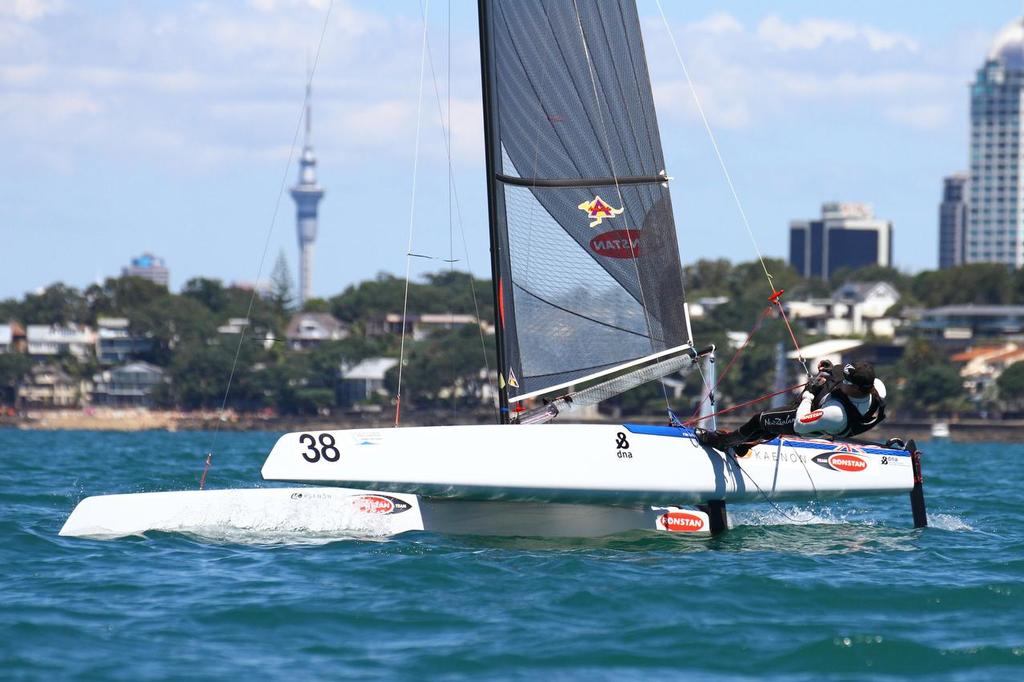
x: 585, y: 259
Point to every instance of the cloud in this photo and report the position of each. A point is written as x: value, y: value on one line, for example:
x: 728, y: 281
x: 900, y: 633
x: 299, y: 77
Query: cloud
x: 812, y: 34
x: 716, y: 24
x: 30, y: 10
x: 762, y: 77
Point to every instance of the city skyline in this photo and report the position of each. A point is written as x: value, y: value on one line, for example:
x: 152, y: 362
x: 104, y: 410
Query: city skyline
x: 177, y: 142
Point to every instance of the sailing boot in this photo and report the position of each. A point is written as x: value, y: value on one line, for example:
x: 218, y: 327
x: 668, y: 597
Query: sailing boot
x: 718, y: 440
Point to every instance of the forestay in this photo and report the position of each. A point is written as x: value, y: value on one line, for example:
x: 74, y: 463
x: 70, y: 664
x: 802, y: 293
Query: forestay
x: 586, y: 260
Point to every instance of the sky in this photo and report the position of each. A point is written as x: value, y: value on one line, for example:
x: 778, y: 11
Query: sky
x: 170, y: 127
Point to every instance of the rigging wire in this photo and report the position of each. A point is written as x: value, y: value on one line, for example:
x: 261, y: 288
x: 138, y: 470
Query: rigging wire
x: 776, y: 294
x: 445, y: 135
x: 412, y: 213
x: 767, y: 499
x: 451, y: 226
x: 266, y: 246
x: 606, y: 149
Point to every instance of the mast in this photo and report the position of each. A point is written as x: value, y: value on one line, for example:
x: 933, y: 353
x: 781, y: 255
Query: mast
x: 492, y: 157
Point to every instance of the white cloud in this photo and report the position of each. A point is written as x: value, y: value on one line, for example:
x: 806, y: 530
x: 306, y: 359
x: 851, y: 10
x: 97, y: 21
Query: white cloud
x: 812, y: 34
x: 30, y: 10
x: 716, y: 24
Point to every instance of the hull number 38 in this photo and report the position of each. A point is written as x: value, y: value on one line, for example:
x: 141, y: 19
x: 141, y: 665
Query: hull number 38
x: 326, y: 450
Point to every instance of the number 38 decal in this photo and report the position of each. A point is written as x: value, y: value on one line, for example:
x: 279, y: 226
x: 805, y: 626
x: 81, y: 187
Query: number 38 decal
x: 327, y: 450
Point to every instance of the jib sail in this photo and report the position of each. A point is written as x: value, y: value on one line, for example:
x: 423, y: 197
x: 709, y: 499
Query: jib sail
x: 585, y: 260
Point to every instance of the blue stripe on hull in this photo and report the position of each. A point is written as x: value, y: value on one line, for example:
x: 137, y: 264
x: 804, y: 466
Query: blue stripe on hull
x: 686, y: 432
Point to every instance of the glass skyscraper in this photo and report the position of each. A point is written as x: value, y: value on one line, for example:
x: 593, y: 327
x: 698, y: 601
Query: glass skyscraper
x: 995, y: 230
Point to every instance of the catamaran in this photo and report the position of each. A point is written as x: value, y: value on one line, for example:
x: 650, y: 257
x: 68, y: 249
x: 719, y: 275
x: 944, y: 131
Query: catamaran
x: 589, y: 303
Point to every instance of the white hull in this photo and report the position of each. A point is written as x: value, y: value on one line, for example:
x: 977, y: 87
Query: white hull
x: 591, y: 464
x: 309, y: 513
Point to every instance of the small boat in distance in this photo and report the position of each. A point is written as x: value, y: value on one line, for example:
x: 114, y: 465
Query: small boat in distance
x: 940, y: 430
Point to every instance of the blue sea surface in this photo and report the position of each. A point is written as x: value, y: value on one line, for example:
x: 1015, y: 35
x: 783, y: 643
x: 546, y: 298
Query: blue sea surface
x: 843, y: 590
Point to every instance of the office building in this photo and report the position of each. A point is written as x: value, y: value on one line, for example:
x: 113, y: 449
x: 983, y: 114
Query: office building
x: 846, y: 236
x: 952, y: 221
x: 148, y: 266
x: 994, y: 214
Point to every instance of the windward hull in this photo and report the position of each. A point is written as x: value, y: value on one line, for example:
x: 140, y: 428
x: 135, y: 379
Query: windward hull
x: 583, y: 464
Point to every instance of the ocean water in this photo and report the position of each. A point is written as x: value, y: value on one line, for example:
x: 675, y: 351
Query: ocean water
x: 840, y: 591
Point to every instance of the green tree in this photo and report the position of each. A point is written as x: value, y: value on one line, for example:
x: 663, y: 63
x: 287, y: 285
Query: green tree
x: 447, y: 359
x: 316, y: 305
x: 282, y: 292
x: 982, y: 283
x: 926, y: 382
x: 209, y: 292
x: 441, y: 293
x: 122, y: 296
x: 13, y: 366
x: 1011, y: 384
x: 57, y: 304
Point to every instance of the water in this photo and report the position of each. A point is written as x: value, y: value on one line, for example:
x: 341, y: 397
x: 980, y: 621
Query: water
x: 845, y: 590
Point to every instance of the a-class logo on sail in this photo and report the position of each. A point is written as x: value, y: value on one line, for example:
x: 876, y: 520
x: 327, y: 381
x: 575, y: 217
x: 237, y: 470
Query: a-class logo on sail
x: 680, y: 522
x: 598, y: 210
x: 617, y: 244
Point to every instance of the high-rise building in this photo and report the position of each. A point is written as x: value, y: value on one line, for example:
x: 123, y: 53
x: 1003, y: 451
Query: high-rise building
x: 847, y: 235
x: 952, y: 221
x: 148, y: 266
x: 994, y: 212
x: 307, y: 195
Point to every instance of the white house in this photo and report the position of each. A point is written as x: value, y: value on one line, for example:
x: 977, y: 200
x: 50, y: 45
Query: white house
x: 420, y: 326
x: 365, y: 380
x: 130, y: 385
x: 114, y: 343
x: 46, y: 340
x: 854, y: 309
x: 307, y: 330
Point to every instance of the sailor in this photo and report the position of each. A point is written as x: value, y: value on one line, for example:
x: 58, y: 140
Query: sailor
x: 840, y: 402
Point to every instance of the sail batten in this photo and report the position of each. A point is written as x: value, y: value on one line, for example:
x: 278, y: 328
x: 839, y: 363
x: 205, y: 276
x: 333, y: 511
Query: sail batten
x: 584, y: 242
x: 583, y: 182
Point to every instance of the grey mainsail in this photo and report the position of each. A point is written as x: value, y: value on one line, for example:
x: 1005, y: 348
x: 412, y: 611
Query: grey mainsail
x: 585, y: 258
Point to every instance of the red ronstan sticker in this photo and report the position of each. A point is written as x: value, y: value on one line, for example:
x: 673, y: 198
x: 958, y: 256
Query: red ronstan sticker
x: 811, y: 417
x: 617, y: 244
x: 845, y: 462
x: 681, y: 522
x: 373, y: 504
x: 841, y: 461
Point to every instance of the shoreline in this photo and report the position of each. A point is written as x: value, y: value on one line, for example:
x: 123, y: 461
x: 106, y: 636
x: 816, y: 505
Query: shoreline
x: 132, y: 420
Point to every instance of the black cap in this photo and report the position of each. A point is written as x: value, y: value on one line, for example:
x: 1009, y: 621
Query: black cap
x: 860, y: 374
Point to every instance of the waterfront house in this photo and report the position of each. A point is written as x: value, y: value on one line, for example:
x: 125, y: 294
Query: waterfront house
x: 48, y: 385
x: 308, y: 330
x: 115, y: 343
x: 45, y: 340
x: 365, y: 380
x: 420, y: 326
x: 854, y: 309
x: 130, y: 385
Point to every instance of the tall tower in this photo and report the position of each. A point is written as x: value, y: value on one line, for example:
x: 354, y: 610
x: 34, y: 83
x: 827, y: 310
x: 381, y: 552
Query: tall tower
x: 995, y: 215
x: 307, y: 195
x: 952, y: 220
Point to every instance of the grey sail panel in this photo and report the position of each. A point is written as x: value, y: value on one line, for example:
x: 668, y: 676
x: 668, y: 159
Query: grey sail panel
x: 589, y: 267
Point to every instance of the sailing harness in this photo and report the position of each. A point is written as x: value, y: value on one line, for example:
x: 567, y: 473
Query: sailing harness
x: 856, y: 423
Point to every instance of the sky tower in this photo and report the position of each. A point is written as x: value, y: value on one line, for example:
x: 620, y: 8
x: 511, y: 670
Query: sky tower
x: 307, y: 195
